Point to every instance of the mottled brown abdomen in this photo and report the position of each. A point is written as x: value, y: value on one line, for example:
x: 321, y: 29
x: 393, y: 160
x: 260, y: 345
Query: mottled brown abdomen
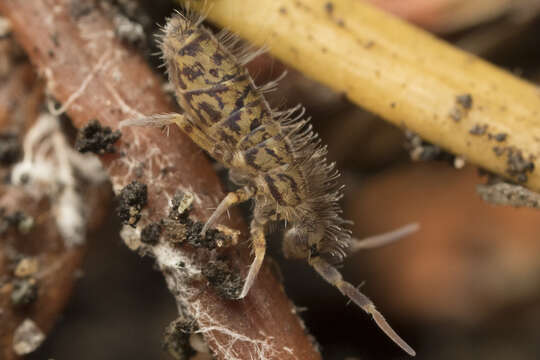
x: 222, y: 102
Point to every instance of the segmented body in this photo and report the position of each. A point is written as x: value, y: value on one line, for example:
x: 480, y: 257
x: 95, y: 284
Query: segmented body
x: 277, y: 154
x: 274, y: 156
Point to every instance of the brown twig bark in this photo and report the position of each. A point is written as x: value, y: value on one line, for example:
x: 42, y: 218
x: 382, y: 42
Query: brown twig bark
x: 41, y: 295
x: 21, y: 93
x: 37, y: 271
x: 94, y: 75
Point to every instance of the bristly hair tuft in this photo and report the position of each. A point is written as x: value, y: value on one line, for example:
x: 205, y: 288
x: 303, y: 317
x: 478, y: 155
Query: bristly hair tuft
x: 178, y: 25
x: 323, y: 189
x: 243, y: 51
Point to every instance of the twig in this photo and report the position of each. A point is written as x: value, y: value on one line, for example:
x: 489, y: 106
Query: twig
x: 37, y: 270
x: 77, y: 40
x: 403, y: 74
x: 42, y: 293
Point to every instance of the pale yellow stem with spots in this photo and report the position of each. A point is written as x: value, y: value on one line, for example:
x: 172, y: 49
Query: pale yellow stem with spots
x: 403, y: 74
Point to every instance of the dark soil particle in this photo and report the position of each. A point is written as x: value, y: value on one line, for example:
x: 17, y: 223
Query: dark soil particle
x: 173, y: 231
x: 420, y: 150
x: 465, y: 100
x: 478, y: 130
x: 176, y: 338
x: 96, y: 139
x: 179, y: 228
x: 194, y: 237
x: 25, y: 292
x: 17, y: 220
x: 10, y: 149
x: 456, y: 114
x: 501, y: 137
x: 150, y: 233
x: 219, y: 275
x: 517, y: 165
x: 131, y: 200
x: 499, y: 151
x: 429, y: 152
x: 329, y: 7
x: 463, y: 104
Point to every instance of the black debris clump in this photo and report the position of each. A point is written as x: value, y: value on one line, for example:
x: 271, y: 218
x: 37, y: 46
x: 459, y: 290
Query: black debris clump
x: 174, y: 231
x: 176, y: 338
x: 131, y: 200
x: 10, y: 149
x: 96, y: 139
x: 465, y: 100
x: 517, y: 165
x: 189, y: 229
x: 192, y: 234
x: 226, y: 282
x: 478, y: 130
x: 461, y: 108
x: 420, y: 150
x: 150, y: 234
x: 179, y: 227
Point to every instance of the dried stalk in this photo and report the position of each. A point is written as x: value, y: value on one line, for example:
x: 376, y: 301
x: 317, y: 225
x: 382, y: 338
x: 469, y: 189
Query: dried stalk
x: 54, y: 274
x: 403, y: 74
x: 94, y: 75
x: 37, y: 272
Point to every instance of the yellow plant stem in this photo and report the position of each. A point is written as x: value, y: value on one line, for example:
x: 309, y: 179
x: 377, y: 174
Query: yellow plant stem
x: 403, y: 74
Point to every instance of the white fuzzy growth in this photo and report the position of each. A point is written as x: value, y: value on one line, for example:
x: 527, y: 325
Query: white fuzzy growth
x: 261, y: 349
x: 170, y: 259
x: 178, y: 280
x: 48, y: 169
x: 69, y: 217
x: 88, y: 166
